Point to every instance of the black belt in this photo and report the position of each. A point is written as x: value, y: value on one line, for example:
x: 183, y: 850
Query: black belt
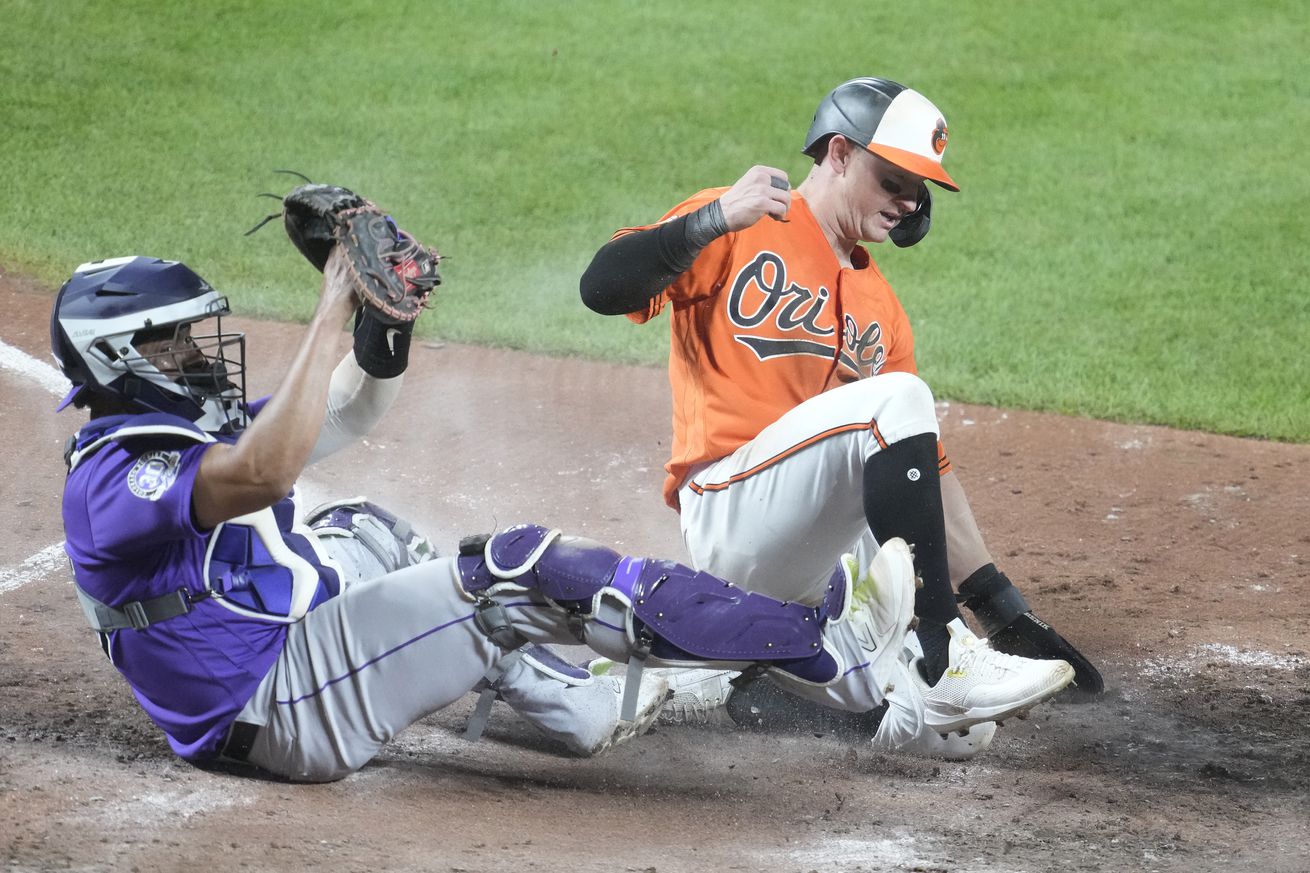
x: 240, y: 740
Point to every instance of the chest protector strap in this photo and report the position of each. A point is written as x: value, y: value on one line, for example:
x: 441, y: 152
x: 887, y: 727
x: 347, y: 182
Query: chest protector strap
x: 136, y: 615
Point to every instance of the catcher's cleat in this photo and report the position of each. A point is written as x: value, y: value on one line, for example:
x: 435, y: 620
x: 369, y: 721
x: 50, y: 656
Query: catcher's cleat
x: 697, y: 694
x: 981, y: 684
x: 694, y: 693
x: 896, y: 727
x: 652, y: 694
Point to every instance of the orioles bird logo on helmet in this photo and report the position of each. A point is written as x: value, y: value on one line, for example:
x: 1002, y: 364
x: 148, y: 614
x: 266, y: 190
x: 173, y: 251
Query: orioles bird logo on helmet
x: 939, y: 137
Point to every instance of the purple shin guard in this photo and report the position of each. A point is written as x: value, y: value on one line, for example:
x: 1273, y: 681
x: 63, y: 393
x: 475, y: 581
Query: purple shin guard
x: 691, y: 616
x: 678, y: 614
x: 703, y: 615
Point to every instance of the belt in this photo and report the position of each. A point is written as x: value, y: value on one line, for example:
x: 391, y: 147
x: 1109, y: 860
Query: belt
x: 240, y: 739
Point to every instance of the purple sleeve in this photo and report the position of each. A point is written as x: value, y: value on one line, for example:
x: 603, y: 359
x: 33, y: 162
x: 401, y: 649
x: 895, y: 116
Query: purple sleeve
x: 137, y: 499
x: 255, y: 407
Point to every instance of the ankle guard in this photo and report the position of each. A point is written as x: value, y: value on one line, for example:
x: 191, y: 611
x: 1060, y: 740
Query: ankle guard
x: 1011, y: 627
x: 993, y: 598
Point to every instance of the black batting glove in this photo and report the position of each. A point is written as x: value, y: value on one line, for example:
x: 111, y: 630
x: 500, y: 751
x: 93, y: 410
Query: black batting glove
x: 382, y: 350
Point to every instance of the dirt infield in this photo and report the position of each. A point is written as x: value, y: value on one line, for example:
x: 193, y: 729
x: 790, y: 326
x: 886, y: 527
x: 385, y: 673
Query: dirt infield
x: 1180, y: 561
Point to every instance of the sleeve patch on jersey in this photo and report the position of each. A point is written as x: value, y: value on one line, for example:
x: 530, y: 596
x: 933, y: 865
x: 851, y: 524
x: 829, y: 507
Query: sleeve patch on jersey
x: 153, y: 474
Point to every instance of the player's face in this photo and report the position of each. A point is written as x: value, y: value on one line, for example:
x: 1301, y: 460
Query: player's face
x: 880, y: 195
x: 174, y: 355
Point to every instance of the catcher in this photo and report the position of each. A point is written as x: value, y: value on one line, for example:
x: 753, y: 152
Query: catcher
x: 251, y: 632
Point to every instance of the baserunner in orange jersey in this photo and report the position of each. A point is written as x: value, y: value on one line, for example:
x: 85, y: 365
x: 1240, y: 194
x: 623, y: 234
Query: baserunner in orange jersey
x: 801, y: 430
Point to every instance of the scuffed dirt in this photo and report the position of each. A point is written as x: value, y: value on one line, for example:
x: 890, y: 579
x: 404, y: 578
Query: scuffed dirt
x: 1179, y: 561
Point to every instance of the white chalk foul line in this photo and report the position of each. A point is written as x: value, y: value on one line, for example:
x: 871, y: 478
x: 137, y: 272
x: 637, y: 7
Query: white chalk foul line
x: 45, y: 376
x: 28, y: 367
x: 40, y: 565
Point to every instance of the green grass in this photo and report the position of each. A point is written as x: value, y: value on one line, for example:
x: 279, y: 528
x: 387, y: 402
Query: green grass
x: 1131, y: 242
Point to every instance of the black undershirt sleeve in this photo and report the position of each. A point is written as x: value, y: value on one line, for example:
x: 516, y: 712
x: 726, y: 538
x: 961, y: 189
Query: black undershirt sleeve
x: 627, y: 272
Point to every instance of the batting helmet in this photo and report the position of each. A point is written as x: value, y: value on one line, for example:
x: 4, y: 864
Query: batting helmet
x: 108, y: 307
x: 894, y: 122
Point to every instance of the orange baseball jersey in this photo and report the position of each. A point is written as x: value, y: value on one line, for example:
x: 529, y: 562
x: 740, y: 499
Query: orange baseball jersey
x: 765, y: 319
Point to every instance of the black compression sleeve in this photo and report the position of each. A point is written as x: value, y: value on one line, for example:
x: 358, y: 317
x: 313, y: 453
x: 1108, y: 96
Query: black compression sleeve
x: 627, y: 272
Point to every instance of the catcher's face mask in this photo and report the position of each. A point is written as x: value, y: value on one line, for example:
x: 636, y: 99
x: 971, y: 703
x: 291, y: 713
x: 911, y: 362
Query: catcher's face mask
x: 203, y: 365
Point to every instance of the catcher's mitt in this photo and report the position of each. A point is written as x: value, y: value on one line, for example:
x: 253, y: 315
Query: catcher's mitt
x: 393, y: 273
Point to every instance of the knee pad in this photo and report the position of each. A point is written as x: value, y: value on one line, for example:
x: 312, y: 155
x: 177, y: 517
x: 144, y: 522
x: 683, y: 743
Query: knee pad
x: 392, y: 541
x: 530, y: 557
x: 910, y: 390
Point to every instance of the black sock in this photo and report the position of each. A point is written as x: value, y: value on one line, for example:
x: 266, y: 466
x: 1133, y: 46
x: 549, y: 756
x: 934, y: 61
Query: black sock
x: 903, y: 498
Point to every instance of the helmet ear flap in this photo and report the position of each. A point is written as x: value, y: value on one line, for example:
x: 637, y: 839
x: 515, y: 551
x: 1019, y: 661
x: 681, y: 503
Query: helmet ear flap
x: 914, y: 227
x: 818, y: 149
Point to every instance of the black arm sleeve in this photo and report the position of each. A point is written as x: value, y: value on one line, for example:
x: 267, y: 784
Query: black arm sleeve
x: 627, y: 272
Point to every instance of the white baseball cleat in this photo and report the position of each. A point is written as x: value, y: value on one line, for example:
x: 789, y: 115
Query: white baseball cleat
x: 981, y: 684
x: 904, y: 728
x: 881, y: 610
x: 651, y: 697
x: 696, y: 694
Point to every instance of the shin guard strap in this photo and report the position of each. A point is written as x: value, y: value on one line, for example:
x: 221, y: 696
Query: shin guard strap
x: 490, y: 691
x: 493, y: 620
x: 632, y: 682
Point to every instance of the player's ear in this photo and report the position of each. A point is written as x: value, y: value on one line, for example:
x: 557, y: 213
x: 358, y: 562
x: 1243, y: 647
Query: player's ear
x: 839, y: 153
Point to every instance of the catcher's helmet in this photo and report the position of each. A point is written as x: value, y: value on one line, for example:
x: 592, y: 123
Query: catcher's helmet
x: 108, y: 307
x: 894, y: 122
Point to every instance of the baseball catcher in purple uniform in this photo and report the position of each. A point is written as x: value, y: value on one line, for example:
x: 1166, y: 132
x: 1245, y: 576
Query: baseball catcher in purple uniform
x: 301, y: 643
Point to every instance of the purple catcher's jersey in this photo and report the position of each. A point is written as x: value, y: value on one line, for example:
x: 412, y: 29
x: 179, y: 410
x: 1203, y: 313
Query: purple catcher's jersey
x: 131, y: 536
